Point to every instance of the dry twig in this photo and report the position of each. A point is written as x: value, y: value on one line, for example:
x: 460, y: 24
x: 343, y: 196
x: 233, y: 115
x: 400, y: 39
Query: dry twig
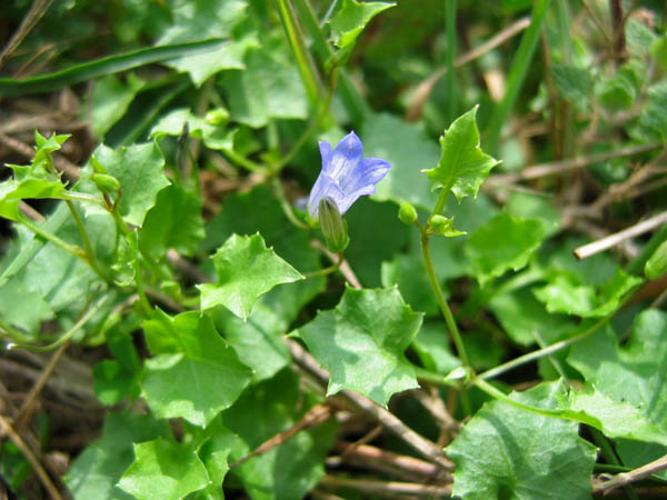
x: 634, y: 475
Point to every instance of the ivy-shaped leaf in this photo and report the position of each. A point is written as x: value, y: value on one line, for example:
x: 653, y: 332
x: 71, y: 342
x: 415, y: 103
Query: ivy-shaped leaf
x: 463, y: 166
x: 163, y: 469
x: 246, y: 270
x: 506, y: 452
x: 361, y: 342
x: 505, y: 242
x: 140, y: 171
x: 194, y: 374
x: 626, y: 380
x: 351, y: 19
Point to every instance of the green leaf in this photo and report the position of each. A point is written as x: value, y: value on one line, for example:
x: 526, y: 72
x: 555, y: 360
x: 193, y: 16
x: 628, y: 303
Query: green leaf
x: 574, y: 84
x: 563, y: 295
x: 204, y: 19
x: 174, y: 222
x: 630, y: 377
x: 194, y: 373
x: 506, y: 452
x: 110, y: 100
x: 162, y: 469
x: 361, y: 342
x: 526, y: 320
x: 376, y: 235
x: 652, y: 122
x: 463, y: 166
x: 505, y: 242
x: 140, y: 170
x: 96, y: 471
x: 351, y: 19
x: 214, y: 133
x: 616, y: 93
x: 293, y: 468
x: 268, y: 88
x: 534, y: 207
x: 246, y: 270
x: 407, y: 156
x: 11, y: 87
x: 432, y: 347
x: 407, y: 272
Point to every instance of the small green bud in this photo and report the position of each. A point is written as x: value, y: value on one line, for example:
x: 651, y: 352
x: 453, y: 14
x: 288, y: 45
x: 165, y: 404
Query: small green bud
x: 407, y: 213
x: 106, y: 183
x: 217, y: 116
x: 656, y: 265
x: 333, y: 226
x: 98, y: 168
x: 444, y: 226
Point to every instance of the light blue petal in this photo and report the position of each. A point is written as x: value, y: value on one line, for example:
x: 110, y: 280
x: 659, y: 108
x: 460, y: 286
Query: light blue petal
x: 324, y: 186
x: 326, y: 154
x: 346, y: 157
x: 368, y: 173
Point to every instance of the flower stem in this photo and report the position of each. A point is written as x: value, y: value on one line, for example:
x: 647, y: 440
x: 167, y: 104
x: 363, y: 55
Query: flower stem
x: 75, y: 250
x: 304, y: 62
x: 442, y: 302
x: 87, y: 246
x: 546, y: 351
x: 442, y: 199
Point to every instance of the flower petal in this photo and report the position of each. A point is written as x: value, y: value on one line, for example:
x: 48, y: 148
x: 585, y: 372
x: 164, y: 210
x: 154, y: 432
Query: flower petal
x: 326, y: 154
x: 346, y: 157
x: 368, y: 173
x: 324, y: 186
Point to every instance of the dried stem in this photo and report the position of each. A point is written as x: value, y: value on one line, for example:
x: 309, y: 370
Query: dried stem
x: 385, y: 488
x: 6, y: 429
x: 420, y: 444
x: 585, y: 251
x: 634, y: 475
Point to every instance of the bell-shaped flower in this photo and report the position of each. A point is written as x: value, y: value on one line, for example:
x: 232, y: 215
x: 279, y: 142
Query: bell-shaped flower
x: 346, y: 174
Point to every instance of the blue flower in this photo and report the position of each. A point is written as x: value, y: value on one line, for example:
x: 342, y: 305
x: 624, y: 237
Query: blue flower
x: 346, y: 174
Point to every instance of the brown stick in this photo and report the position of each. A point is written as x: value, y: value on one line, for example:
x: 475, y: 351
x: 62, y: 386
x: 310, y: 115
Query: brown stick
x: 564, y: 166
x: 28, y: 404
x: 424, y: 89
x: 585, y: 251
x: 37, y: 10
x: 61, y: 163
x: 392, y: 423
x: 315, y: 416
x: 386, y: 488
x: 6, y: 429
x: 630, y: 477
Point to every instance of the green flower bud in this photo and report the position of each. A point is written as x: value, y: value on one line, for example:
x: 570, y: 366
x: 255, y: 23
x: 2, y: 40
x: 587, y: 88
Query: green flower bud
x: 217, y: 116
x: 407, y: 213
x: 98, y: 168
x: 656, y: 265
x: 106, y: 183
x: 444, y: 226
x: 332, y: 225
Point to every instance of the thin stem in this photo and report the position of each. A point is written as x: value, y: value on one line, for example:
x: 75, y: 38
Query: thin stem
x: 442, y: 302
x: 450, y: 29
x: 354, y: 103
x: 70, y: 333
x: 517, y: 74
x: 243, y: 161
x: 305, y: 64
x: 75, y: 250
x: 442, y: 200
x: 279, y: 192
x: 327, y: 270
x: 546, y: 351
x: 88, y: 248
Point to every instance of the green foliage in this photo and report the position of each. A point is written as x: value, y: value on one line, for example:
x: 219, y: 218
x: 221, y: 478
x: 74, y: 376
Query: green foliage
x: 189, y: 359
x: 505, y: 242
x: 368, y: 328
x: 246, y: 270
x: 463, y: 166
x: 220, y: 344
x: 164, y: 469
x: 504, y: 451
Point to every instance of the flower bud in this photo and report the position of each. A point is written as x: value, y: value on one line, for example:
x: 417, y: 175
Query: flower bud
x: 332, y: 225
x: 407, y: 213
x: 444, y: 226
x: 106, y: 183
x: 656, y: 265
